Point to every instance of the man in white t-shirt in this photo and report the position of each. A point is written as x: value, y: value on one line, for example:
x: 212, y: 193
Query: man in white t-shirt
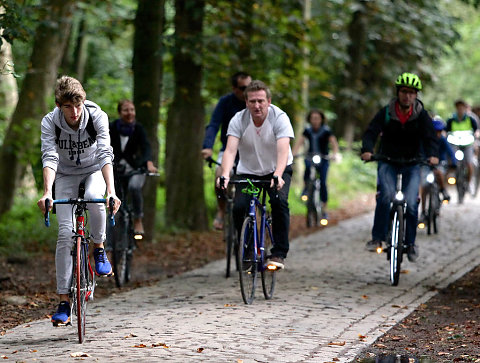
x: 261, y: 133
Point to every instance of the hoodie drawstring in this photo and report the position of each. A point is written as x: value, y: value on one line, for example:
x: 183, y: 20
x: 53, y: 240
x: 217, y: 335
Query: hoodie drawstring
x: 78, y: 149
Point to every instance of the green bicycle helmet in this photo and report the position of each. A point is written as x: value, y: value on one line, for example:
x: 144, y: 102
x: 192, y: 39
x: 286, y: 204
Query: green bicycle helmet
x: 410, y: 80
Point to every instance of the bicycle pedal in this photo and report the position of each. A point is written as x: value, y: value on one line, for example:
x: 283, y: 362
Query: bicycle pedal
x: 58, y: 323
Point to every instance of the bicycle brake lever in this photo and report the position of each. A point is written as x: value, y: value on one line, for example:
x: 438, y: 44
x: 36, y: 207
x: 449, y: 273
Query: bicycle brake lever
x: 47, y: 216
x: 111, y: 205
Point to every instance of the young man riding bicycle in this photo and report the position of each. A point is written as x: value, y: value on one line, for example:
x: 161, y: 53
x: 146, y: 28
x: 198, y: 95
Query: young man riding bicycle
x: 261, y: 133
x: 405, y: 127
x: 75, y: 148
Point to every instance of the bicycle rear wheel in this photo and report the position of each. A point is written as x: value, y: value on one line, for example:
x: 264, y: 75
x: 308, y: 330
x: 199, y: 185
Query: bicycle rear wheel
x: 230, y: 237
x: 247, y: 262
x: 396, y: 245
x: 80, y: 288
x: 268, y: 276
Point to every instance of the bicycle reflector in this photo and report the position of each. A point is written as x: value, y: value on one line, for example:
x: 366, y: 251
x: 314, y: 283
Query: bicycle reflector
x: 138, y: 236
x: 271, y: 267
x: 324, y: 222
x: 304, y: 198
x: 421, y: 225
x: 459, y: 155
x: 379, y: 249
x: 451, y: 180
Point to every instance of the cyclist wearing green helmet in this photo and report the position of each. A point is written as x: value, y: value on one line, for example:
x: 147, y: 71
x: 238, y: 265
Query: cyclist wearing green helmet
x: 405, y: 128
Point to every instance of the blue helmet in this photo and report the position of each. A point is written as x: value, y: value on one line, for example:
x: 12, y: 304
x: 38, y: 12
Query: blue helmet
x: 438, y: 123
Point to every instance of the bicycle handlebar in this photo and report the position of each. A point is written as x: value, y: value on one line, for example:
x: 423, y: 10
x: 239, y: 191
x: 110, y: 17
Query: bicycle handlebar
x: 211, y: 161
x: 111, y: 204
x: 388, y: 159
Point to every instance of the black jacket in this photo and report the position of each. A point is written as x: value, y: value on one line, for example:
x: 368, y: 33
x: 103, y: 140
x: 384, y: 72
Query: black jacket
x: 137, y: 151
x: 417, y: 136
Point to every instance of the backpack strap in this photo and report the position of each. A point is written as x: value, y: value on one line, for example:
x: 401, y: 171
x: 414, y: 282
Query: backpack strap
x: 90, y: 128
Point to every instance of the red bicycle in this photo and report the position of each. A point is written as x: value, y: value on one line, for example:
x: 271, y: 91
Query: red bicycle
x: 83, y: 277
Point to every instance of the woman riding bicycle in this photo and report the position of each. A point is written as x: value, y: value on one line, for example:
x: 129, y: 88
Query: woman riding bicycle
x: 319, y: 138
x: 75, y: 148
x: 132, y: 151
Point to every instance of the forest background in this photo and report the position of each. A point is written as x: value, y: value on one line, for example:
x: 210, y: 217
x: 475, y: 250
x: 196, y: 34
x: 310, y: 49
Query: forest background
x: 174, y: 58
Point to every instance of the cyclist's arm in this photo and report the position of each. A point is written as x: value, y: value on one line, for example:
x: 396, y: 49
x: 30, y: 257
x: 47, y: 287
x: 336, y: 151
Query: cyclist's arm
x: 371, y: 134
x: 333, y: 141
x: 300, y: 142
x: 212, y: 128
x: 48, y: 179
x: 283, y: 148
x: 229, y: 156
x: 107, y: 172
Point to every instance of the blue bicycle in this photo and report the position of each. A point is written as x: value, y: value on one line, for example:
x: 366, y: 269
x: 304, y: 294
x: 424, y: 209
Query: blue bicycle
x: 256, y: 241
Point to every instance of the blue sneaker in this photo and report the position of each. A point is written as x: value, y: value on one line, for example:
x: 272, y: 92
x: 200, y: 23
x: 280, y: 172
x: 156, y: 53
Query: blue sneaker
x: 62, y: 316
x: 102, y: 265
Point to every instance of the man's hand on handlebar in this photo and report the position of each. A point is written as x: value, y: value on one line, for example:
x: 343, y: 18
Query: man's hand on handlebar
x: 41, y: 202
x: 366, y: 156
x: 279, y: 184
x: 117, y: 202
x: 222, y: 182
x: 207, y: 153
x: 433, y: 160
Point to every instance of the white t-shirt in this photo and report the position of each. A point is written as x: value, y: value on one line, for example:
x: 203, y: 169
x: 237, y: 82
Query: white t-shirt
x: 258, y: 145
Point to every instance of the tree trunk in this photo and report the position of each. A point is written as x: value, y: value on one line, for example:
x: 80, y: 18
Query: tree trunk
x: 147, y: 79
x: 349, y: 100
x: 8, y: 83
x: 80, y: 51
x: 185, y: 125
x: 19, y: 143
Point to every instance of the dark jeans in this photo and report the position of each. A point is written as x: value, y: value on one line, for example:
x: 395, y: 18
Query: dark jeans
x: 322, y: 169
x: 280, y: 211
x: 387, y: 181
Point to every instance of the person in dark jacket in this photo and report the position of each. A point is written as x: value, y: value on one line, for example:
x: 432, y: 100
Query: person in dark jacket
x: 225, y: 109
x: 132, y: 151
x: 406, y: 129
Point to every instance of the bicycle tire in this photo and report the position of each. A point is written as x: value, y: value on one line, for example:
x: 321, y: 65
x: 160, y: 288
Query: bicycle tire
x: 119, y: 240
x: 436, y: 210
x: 247, y: 262
x: 430, y: 210
x: 396, y: 245
x: 268, y: 276
x: 80, y: 288
x: 312, y: 215
x: 229, y: 240
x: 461, y: 180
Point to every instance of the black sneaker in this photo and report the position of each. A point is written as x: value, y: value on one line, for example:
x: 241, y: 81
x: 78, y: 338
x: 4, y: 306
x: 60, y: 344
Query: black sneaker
x: 412, y: 253
x: 373, y: 244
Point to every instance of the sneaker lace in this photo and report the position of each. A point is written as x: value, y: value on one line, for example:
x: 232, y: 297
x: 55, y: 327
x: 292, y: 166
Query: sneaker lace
x: 100, y: 257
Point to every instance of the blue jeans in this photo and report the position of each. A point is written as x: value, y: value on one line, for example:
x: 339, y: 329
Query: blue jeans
x: 387, y: 181
x: 322, y: 170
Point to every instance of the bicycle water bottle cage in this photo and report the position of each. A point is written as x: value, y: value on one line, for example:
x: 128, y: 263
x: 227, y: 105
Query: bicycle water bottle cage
x: 251, y: 189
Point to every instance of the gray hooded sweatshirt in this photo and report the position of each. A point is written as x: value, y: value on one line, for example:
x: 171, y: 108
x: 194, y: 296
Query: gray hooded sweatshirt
x: 75, y: 152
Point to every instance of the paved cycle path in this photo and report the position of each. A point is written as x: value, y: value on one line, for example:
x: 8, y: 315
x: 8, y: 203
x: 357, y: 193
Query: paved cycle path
x: 333, y: 300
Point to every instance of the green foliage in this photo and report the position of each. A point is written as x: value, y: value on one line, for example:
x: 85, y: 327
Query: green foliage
x: 106, y: 91
x: 347, y: 180
x: 23, y: 232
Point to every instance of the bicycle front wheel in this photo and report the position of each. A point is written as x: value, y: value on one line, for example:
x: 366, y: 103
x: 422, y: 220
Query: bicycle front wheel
x: 429, y: 209
x: 119, y: 239
x: 268, y: 276
x: 80, y: 289
x: 312, y: 212
x: 396, y: 245
x: 247, y: 261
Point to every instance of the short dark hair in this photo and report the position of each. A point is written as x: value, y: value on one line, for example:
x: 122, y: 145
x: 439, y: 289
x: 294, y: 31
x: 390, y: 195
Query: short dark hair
x: 257, y: 85
x: 320, y: 112
x: 460, y: 102
x: 234, y: 79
